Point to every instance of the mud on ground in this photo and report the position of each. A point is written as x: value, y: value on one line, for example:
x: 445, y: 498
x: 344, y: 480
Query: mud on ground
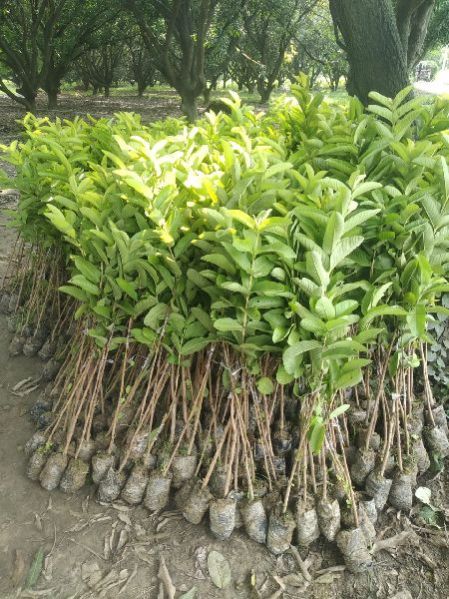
x: 113, y: 551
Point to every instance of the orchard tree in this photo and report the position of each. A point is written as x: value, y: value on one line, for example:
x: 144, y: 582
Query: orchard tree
x: 100, y: 66
x: 316, y: 51
x: 270, y: 27
x: 438, y: 31
x: 76, y: 31
x: 176, y: 33
x: 244, y: 70
x: 222, y: 42
x: 141, y: 65
x: 383, y: 40
x: 40, y: 39
x: 20, y: 43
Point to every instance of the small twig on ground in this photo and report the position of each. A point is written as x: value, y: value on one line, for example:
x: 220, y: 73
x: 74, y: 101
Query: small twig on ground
x: 332, y: 569
x: 396, y: 541
x: 164, y: 576
x: 88, y: 549
x: 300, y: 563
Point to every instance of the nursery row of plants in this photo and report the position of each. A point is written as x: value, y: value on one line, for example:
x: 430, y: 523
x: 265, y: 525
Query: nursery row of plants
x: 238, y: 311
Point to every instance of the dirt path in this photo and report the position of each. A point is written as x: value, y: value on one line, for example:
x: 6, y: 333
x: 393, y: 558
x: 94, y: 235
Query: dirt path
x: 107, y: 552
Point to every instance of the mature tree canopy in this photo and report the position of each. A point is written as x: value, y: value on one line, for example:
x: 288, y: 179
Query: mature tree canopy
x: 39, y: 39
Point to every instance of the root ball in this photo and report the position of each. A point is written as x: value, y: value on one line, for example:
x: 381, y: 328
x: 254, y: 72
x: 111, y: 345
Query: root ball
x: 135, y: 486
x: 75, y: 476
x: 329, y: 518
x: 101, y: 463
x: 36, y: 441
x: 378, y: 487
x: 110, y: 486
x: 308, y: 530
x: 197, y: 504
x: 36, y: 463
x: 353, y: 546
x: 157, y: 492
x: 52, y: 472
x: 437, y: 441
x: 401, y: 493
x: 280, y: 531
x: 222, y: 517
x: 363, y: 464
x: 183, y: 469
x: 255, y: 520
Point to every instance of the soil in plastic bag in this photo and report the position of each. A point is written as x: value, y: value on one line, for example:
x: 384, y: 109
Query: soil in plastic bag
x: 280, y: 531
x: 254, y: 520
x: 157, y: 494
x: 134, y: 489
x: 52, y: 472
x: 75, y: 476
x: 222, y: 517
x: 353, y: 546
x: 329, y: 518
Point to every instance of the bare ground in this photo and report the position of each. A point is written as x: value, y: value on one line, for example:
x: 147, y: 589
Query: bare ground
x: 112, y: 551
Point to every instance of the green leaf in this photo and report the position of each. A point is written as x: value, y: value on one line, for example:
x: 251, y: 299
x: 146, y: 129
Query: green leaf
x: 128, y: 288
x: 383, y: 310
x: 282, y: 376
x: 154, y: 317
x: 75, y: 292
x: 380, y: 99
x: 292, y: 354
x: 242, y: 217
x: 36, y: 569
x: 85, y: 285
x: 339, y: 411
x: 194, y: 346
x: 325, y: 308
x: 316, y: 270
x: 385, y: 113
x: 334, y: 231
x: 221, y: 261
x: 349, y: 379
x: 265, y: 386
x: 59, y: 221
x: 344, y: 249
x: 227, y: 325
x: 86, y: 268
x: 317, y: 437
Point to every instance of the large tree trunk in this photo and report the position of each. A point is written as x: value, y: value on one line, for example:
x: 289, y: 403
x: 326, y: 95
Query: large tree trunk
x: 377, y: 58
x: 52, y: 95
x: 141, y: 88
x: 188, y: 105
x: 383, y: 39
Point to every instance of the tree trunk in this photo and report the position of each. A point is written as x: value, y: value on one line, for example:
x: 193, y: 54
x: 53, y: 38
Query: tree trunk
x: 29, y: 99
x: 265, y: 89
x: 377, y: 59
x: 107, y: 91
x: 141, y: 87
x: 52, y: 95
x: 188, y: 105
x: 265, y: 95
x: 206, y: 95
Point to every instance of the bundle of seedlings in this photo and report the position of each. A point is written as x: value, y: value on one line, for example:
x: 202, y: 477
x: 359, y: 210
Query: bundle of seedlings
x: 236, y: 314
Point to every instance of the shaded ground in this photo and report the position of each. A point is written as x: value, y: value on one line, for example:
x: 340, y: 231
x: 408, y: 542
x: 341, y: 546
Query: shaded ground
x: 154, y: 106
x: 99, y: 551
